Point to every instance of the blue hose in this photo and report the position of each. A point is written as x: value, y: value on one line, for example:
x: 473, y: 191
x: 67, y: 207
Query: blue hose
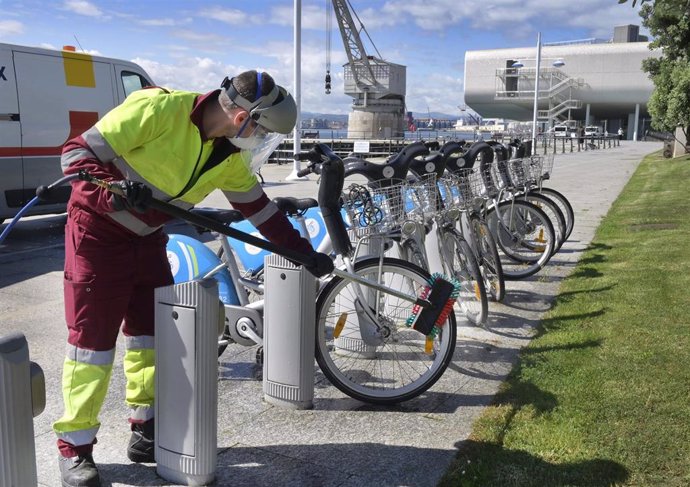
x: 42, y: 192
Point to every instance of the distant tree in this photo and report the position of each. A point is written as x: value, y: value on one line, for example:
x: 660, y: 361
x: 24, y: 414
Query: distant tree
x: 668, y: 22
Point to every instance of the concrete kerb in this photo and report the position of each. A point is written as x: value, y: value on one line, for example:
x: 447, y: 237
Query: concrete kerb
x: 341, y: 442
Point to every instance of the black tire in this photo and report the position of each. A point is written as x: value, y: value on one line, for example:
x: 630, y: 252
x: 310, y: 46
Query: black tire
x: 564, y: 205
x: 553, y: 211
x: 374, y: 374
x: 460, y: 262
x: 489, y: 260
x: 525, y: 238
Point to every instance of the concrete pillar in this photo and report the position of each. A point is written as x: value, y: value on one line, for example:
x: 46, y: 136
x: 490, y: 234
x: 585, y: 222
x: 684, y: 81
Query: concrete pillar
x: 587, y: 115
x: 637, y: 120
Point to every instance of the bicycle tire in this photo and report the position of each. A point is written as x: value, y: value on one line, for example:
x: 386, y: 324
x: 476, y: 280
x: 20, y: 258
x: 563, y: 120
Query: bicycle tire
x: 489, y: 260
x: 397, y: 370
x: 553, y: 211
x: 525, y: 238
x: 460, y: 262
x: 565, y: 206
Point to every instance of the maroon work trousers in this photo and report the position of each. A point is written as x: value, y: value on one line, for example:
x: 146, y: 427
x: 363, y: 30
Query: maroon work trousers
x: 110, y: 277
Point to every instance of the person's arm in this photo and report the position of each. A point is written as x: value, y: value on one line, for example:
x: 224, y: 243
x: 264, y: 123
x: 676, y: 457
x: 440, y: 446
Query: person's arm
x: 267, y: 218
x: 77, y: 155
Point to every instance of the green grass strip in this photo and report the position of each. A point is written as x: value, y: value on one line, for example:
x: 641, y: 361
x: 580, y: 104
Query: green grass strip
x: 601, y: 396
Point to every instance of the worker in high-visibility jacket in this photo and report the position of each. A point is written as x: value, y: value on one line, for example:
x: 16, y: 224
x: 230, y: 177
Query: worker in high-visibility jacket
x: 175, y: 146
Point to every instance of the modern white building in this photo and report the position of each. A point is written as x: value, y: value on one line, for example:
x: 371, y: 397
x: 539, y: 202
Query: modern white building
x: 580, y: 83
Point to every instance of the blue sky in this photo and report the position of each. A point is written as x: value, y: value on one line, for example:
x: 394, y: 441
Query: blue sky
x: 193, y: 44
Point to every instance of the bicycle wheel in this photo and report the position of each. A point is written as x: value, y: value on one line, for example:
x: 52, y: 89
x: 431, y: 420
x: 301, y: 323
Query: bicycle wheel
x: 460, y: 262
x: 524, y: 235
x: 553, y: 211
x: 489, y: 260
x: 563, y: 204
x: 406, y: 363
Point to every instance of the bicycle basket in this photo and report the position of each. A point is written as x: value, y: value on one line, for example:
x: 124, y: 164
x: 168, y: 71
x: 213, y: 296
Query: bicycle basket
x: 532, y: 167
x: 519, y: 174
x: 482, y: 182
x: 375, y: 208
x: 547, y: 166
x: 422, y: 198
x: 455, y: 190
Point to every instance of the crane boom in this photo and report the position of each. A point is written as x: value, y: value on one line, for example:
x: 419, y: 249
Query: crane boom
x: 356, y: 54
x: 377, y: 87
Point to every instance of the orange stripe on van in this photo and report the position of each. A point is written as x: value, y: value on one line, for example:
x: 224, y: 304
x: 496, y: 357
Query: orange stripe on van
x: 79, y: 122
x: 78, y: 69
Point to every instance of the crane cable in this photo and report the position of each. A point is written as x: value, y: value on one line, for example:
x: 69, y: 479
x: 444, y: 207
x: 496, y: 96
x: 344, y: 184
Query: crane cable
x: 328, y: 46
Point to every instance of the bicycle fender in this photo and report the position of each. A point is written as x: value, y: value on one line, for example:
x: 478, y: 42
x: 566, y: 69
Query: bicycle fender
x: 190, y: 259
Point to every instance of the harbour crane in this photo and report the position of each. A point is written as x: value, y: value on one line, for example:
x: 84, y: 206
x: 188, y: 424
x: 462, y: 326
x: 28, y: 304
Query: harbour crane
x: 376, y: 86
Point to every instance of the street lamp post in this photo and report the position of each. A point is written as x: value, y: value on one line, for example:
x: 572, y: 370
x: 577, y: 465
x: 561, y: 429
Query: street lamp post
x: 297, y: 91
x: 535, y: 109
x: 536, y: 96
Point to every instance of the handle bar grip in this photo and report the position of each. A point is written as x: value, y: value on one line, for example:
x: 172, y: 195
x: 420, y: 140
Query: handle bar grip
x: 304, y: 172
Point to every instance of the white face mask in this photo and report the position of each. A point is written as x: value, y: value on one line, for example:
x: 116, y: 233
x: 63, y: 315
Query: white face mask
x: 246, y: 143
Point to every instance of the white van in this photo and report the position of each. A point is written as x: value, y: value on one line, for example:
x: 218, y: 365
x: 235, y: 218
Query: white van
x: 46, y: 98
x: 561, y: 131
x: 593, y: 131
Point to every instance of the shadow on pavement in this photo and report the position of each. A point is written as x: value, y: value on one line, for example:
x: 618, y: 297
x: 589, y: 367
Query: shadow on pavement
x: 298, y: 465
x: 480, y: 463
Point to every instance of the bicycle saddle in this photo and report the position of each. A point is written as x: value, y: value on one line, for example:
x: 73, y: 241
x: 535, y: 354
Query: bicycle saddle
x: 394, y: 169
x: 293, y: 206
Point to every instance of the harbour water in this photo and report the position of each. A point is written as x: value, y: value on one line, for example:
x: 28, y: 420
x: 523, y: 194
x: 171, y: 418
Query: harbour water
x: 332, y: 134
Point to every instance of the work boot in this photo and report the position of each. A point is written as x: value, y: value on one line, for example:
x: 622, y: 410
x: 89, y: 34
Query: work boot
x: 79, y: 471
x: 141, y: 443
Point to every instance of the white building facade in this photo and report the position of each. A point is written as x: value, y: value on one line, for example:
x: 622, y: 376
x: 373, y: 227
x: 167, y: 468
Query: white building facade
x: 580, y: 84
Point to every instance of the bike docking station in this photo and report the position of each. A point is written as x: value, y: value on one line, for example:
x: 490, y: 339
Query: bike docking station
x: 289, y: 334
x: 22, y: 398
x: 187, y: 321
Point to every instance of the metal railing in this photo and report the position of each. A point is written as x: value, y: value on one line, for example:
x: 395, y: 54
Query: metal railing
x: 550, y: 144
x: 546, y: 144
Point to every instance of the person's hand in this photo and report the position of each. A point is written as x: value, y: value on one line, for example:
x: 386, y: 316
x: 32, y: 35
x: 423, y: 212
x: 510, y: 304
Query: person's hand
x: 322, y: 264
x: 135, y: 196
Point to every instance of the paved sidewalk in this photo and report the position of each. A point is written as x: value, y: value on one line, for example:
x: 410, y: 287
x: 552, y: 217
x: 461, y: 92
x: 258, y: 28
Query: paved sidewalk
x: 341, y: 442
